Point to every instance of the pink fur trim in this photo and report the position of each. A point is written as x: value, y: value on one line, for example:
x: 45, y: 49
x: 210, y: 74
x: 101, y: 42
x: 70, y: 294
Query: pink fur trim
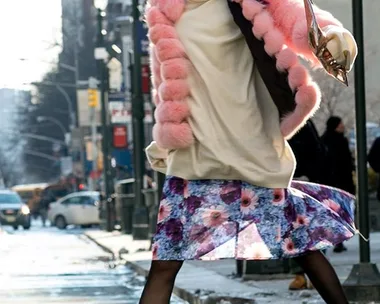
x: 156, y: 98
x: 153, y: 16
x: 298, y: 76
x: 161, y: 31
x: 286, y: 59
x: 293, y: 122
x: 172, y: 111
x: 177, y: 68
x: 274, y: 42
x: 300, y: 44
x: 289, y: 17
x: 262, y: 24
x: 172, y: 9
x: 155, y: 67
x: 252, y: 9
x: 307, y: 93
x: 177, y: 89
x: 177, y: 136
x: 170, y: 69
x: 170, y: 48
x: 307, y: 100
x: 325, y: 18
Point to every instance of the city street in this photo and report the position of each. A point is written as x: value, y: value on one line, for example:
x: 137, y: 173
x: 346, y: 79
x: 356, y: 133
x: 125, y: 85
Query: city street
x: 45, y: 265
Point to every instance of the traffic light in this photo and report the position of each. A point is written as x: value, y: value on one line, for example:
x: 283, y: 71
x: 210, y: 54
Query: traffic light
x: 93, y: 98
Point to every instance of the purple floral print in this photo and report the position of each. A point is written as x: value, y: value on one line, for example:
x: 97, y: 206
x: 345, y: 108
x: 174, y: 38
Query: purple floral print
x: 214, y: 219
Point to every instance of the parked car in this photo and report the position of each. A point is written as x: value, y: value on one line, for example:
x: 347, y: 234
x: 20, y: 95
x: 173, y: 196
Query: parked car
x: 80, y: 208
x: 53, y: 193
x: 13, y: 212
x: 30, y: 195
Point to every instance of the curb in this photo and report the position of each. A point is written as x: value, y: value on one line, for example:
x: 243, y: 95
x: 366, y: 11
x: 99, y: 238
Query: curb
x: 197, y: 297
x: 181, y: 293
x: 104, y: 248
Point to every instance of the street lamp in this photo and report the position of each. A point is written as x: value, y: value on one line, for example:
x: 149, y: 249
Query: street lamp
x: 140, y: 214
x: 116, y: 49
x: 101, y: 56
x: 62, y: 65
x: 53, y: 120
x: 101, y: 5
x: 58, y: 86
x: 69, y: 105
x: 363, y: 283
x: 40, y: 154
x: 33, y: 136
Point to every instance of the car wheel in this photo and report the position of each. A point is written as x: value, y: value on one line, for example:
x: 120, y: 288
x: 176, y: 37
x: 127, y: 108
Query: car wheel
x: 27, y: 223
x: 60, y: 222
x: 15, y: 227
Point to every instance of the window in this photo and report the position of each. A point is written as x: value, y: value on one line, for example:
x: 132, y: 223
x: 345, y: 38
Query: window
x: 72, y: 201
x: 9, y: 198
x: 26, y: 195
x: 87, y: 200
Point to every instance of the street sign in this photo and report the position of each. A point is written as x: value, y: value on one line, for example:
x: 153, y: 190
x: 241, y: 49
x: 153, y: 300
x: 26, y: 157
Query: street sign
x: 115, y: 74
x: 66, y: 165
x: 121, y: 112
x: 142, y: 35
x: 116, y: 96
x: 100, y: 53
x: 120, y: 138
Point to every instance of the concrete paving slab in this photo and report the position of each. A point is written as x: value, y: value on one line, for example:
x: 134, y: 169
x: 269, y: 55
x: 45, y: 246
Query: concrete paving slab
x: 201, y: 282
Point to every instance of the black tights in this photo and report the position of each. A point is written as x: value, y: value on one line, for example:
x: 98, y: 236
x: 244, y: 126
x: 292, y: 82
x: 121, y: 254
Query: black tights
x: 159, y: 286
x: 160, y: 282
x: 323, y: 277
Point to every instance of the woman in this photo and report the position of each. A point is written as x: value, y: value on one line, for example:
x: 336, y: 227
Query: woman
x: 339, y: 155
x: 339, y: 160
x: 221, y: 140
x: 374, y: 161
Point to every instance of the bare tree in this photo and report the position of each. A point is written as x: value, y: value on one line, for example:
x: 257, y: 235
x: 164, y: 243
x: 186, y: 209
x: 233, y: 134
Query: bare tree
x: 340, y: 100
x: 336, y: 100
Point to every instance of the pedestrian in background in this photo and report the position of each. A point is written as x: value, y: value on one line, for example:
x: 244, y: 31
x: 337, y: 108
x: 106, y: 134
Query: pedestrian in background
x: 221, y: 141
x: 374, y: 162
x: 340, y: 160
x: 311, y: 157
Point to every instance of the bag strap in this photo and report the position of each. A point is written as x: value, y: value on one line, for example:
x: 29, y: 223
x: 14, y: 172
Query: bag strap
x: 275, y: 81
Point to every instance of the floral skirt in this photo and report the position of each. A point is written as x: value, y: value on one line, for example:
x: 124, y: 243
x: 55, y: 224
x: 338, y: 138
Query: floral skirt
x: 216, y: 219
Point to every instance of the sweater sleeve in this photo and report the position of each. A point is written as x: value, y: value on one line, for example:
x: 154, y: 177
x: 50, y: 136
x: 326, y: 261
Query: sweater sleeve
x: 289, y: 17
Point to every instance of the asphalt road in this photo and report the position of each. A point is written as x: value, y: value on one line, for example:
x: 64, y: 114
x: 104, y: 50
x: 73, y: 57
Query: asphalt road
x: 45, y: 265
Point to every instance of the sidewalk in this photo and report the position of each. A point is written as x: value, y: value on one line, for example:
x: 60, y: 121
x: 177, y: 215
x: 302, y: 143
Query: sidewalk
x: 202, y: 282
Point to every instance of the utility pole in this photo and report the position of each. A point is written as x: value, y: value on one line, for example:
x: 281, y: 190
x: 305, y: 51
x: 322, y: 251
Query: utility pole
x: 75, y: 68
x: 93, y: 103
x: 363, y: 283
x: 103, y: 75
x: 141, y: 218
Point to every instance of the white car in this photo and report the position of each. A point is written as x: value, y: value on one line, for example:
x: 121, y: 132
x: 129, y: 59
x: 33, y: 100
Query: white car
x: 80, y: 208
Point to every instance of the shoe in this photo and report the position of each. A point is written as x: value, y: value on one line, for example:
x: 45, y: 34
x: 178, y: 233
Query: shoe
x: 299, y: 283
x: 340, y: 248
